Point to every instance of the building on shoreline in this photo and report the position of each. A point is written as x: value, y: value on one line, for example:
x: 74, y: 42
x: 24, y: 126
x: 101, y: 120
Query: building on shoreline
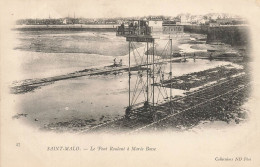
x: 172, y: 29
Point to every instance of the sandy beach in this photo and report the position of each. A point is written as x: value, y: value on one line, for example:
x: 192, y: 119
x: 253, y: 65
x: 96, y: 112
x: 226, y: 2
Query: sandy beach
x: 56, y: 65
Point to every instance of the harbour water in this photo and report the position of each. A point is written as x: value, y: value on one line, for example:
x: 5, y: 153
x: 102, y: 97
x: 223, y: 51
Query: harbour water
x: 93, y: 98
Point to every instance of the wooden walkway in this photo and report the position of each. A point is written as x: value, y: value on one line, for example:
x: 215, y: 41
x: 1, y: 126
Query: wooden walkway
x: 20, y: 86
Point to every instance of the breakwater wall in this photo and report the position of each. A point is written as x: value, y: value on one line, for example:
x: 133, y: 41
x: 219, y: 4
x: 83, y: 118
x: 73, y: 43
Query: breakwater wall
x: 69, y: 27
x: 66, y: 29
x: 202, y: 29
x: 233, y: 35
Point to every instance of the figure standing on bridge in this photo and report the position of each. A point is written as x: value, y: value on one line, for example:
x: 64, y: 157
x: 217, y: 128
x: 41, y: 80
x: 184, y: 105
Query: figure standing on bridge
x: 210, y: 57
x: 162, y: 76
x: 131, y: 27
x: 123, y: 28
x: 184, y: 59
x: 145, y: 28
x: 135, y: 27
x: 114, y: 61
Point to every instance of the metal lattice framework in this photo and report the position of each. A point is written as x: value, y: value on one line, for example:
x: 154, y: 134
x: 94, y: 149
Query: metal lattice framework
x: 150, y: 69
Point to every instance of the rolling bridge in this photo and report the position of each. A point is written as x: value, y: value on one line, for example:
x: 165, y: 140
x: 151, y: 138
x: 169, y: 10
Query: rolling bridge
x: 149, y: 114
x: 139, y: 31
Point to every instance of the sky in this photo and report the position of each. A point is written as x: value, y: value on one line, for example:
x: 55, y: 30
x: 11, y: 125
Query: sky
x: 122, y: 8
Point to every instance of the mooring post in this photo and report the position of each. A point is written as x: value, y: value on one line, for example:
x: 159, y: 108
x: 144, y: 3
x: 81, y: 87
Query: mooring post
x: 153, y: 73
x: 171, y: 72
x: 129, y: 74
x: 147, y: 75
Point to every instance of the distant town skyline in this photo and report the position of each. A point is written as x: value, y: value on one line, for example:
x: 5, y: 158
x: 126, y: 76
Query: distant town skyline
x: 211, y: 19
x: 121, y: 8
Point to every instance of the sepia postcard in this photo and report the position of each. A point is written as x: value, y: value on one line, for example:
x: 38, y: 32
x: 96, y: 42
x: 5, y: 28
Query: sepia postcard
x: 156, y: 83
